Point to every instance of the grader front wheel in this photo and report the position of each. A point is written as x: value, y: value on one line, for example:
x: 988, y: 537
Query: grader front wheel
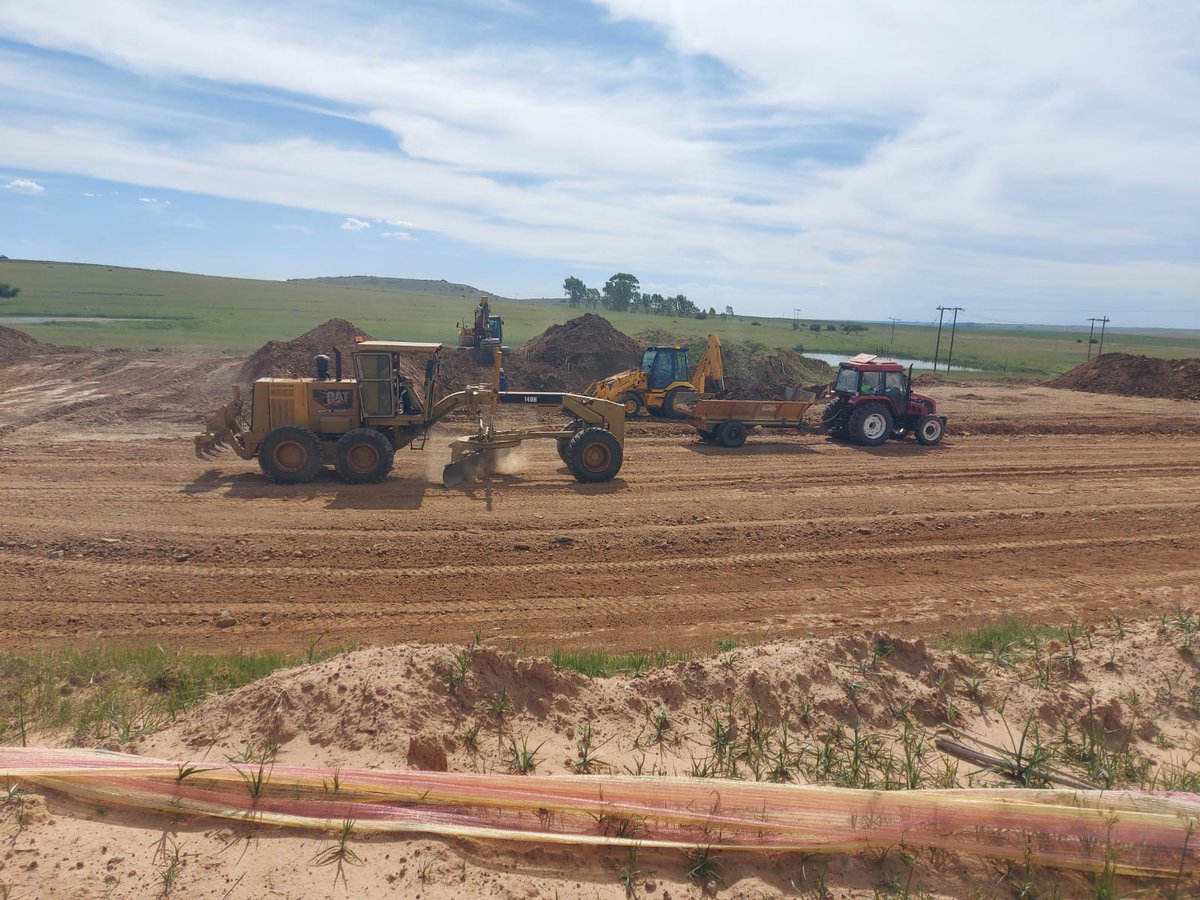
x: 594, y: 455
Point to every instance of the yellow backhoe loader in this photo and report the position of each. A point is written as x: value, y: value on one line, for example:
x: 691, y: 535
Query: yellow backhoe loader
x: 298, y: 425
x: 662, y: 384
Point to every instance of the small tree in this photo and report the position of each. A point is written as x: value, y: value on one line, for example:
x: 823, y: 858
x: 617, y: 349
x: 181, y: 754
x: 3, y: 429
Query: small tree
x: 729, y: 312
x: 831, y: 328
x: 7, y: 292
x: 575, y: 290
x: 815, y: 327
x: 621, y: 292
x: 591, y: 298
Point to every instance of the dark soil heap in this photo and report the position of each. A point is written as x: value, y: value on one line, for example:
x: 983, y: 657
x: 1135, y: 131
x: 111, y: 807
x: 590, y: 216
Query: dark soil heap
x: 767, y: 374
x: 295, y: 357
x: 17, y: 344
x: 1137, y: 376
x: 582, y: 350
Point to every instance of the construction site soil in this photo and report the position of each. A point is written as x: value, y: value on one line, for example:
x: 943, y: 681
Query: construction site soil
x: 1039, y: 502
x: 1138, y: 376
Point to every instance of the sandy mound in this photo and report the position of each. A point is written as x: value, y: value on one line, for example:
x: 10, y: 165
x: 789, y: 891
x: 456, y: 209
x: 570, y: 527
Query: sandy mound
x: 1138, y: 376
x: 767, y: 374
x: 295, y: 357
x: 16, y: 344
x: 860, y: 712
x: 582, y: 350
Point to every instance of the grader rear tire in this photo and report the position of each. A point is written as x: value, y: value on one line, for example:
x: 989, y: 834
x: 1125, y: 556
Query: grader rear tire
x: 363, y: 456
x: 594, y: 455
x: 290, y: 455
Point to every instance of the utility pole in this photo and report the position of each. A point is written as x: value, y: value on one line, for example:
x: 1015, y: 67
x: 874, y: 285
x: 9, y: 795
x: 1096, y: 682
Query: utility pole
x: 953, y: 324
x: 892, y: 339
x: 1091, y: 331
x: 796, y: 319
x: 941, y: 312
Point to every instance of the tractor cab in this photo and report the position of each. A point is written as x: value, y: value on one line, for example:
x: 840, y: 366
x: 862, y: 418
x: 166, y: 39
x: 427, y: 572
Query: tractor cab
x: 872, y: 399
x: 665, y: 367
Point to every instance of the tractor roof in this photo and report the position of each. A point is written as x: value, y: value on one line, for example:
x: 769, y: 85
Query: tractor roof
x: 397, y: 347
x: 870, y: 363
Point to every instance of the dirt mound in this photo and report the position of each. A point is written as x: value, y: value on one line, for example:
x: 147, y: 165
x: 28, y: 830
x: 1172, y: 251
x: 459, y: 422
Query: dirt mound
x: 1138, y: 376
x: 295, y: 357
x: 581, y: 350
x: 767, y: 374
x: 16, y: 344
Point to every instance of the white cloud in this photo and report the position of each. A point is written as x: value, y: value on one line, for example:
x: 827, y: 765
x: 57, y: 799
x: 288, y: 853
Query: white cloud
x: 89, y: 195
x: 397, y: 235
x: 885, y: 150
x: 24, y: 186
x: 153, y: 203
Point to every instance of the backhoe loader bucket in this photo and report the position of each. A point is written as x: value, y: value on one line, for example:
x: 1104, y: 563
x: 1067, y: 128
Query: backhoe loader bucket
x: 682, y: 402
x: 222, y: 429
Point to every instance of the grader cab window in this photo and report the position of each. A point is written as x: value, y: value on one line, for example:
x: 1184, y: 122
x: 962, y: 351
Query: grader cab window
x: 375, y: 381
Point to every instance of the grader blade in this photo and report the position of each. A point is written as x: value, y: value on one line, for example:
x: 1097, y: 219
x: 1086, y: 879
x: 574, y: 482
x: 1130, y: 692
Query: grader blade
x: 454, y: 474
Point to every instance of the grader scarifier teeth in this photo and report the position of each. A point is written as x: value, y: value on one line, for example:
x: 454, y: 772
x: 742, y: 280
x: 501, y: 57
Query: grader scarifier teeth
x: 219, y: 431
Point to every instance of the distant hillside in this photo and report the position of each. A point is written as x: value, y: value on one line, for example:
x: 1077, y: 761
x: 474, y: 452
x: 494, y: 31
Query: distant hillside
x: 403, y: 285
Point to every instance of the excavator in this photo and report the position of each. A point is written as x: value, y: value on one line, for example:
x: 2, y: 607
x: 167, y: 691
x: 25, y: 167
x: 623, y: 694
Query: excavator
x: 662, y: 384
x: 297, y: 426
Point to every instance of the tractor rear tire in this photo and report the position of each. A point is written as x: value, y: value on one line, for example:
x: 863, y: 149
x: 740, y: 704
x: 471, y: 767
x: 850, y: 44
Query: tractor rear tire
x: 594, y: 455
x: 833, y: 419
x: 668, y: 406
x: 290, y: 454
x: 363, y: 456
x: 930, y: 430
x: 633, y: 404
x: 731, y: 433
x: 870, y: 424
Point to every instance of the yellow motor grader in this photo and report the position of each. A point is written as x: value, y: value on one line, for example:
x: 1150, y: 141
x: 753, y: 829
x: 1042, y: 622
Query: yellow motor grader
x: 299, y: 425
x: 662, y: 384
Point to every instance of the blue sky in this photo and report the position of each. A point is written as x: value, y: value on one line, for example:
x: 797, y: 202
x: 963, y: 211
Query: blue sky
x: 1030, y: 162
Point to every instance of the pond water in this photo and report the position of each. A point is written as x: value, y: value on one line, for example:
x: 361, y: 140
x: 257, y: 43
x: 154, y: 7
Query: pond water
x: 834, y: 358
x: 67, y: 320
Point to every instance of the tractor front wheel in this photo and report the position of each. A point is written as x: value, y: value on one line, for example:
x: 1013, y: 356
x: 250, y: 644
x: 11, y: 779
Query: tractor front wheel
x: 363, y: 456
x: 594, y: 455
x: 633, y: 404
x: 731, y: 433
x: 290, y: 455
x: 930, y: 430
x: 870, y: 424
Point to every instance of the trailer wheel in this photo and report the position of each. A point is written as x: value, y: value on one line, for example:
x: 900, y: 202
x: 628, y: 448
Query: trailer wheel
x: 633, y: 405
x: 706, y: 435
x: 363, y: 455
x: 731, y: 433
x: 930, y: 430
x: 870, y: 424
x: 594, y: 455
x: 290, y: 455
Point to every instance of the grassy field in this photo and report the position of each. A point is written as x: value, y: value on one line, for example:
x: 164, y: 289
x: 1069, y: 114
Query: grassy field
x: 233, y: 316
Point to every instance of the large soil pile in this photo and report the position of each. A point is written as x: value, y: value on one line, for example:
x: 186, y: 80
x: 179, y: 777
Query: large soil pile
x: 16, y: 344
x: 1138, y: 376
x: 295, y: 357
x: 582, y: 350
x: 767, y: 374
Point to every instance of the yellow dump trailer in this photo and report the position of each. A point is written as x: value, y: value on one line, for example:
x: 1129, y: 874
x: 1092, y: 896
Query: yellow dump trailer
x: 726, y: 422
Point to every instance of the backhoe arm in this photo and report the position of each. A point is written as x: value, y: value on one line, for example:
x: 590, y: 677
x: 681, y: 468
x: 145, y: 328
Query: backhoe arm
x: 711, y: 370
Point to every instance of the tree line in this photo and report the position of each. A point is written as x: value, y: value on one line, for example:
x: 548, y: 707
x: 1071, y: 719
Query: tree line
x: 623, y: 293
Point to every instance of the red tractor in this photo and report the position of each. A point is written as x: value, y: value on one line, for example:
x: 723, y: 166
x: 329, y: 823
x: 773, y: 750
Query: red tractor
x: 873, y: 400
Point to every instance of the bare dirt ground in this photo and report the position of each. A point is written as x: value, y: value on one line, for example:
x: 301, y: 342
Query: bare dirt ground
x: 1051, y: 505
x: 114, y: 529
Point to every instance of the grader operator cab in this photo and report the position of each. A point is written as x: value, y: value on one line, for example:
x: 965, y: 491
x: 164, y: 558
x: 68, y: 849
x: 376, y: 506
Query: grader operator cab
x: 872, y: 400
x: 298, y: 425
x: 662, y: 384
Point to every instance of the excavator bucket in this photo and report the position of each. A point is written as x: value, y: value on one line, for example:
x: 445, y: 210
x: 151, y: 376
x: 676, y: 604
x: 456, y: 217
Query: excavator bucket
x: 682, y: 402
x: 221, y: 430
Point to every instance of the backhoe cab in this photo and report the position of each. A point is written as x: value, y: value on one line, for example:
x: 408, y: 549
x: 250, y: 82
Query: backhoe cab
x: 298, y: 425
x: 873, y: 400
x: 662, y: 384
